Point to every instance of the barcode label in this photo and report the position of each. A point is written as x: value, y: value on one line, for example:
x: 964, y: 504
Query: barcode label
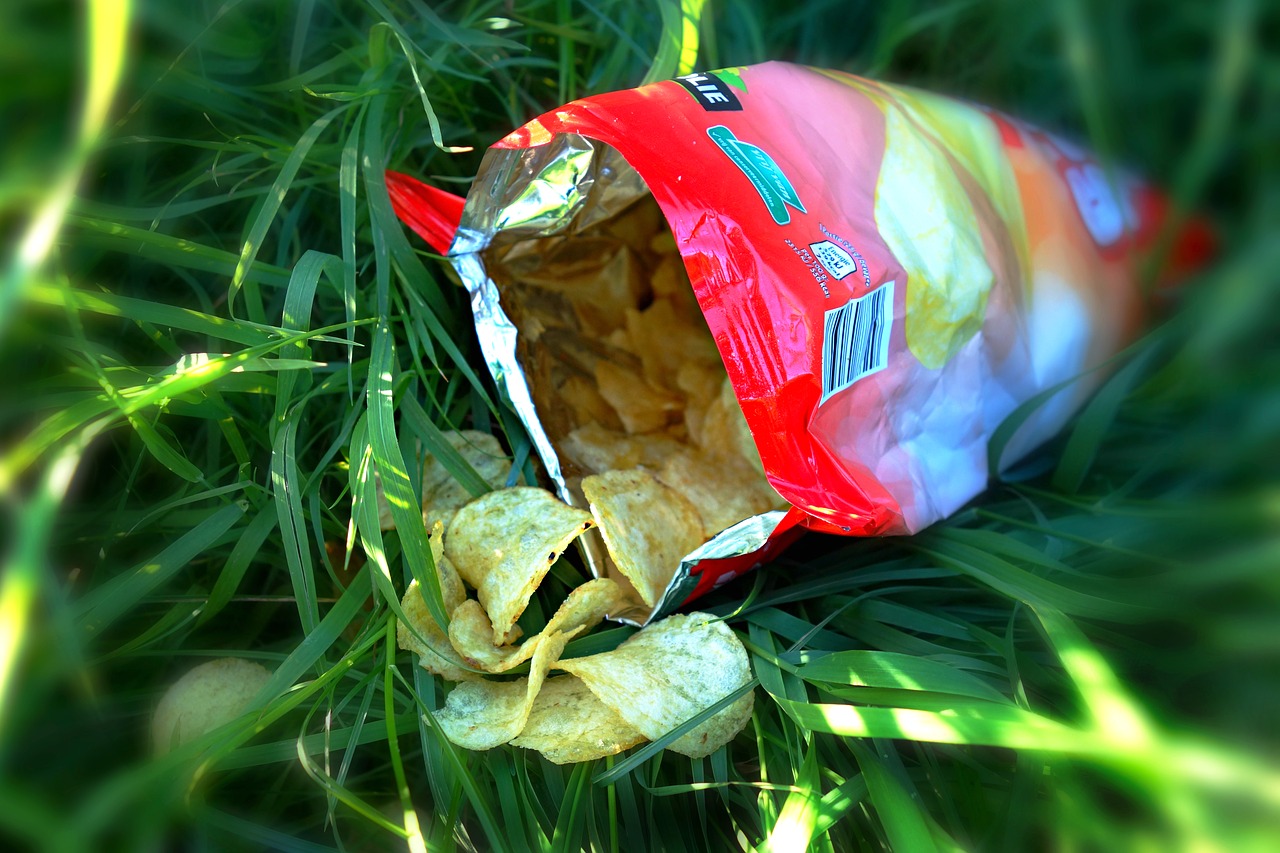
x: 855, y: 340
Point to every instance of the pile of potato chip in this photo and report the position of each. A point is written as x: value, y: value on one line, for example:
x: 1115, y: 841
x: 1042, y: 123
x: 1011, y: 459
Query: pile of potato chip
x: 629, y: 385
x: 631, y: 391
x: 502, y: 545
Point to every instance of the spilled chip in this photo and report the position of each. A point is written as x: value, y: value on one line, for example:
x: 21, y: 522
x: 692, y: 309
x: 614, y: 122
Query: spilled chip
x: 647, y: 527
x: 471, y: 632
x: 423, y: 635
x: 504, y: 542
x: 485, y: 714
x: 667, y: 673
x: 568, y: 723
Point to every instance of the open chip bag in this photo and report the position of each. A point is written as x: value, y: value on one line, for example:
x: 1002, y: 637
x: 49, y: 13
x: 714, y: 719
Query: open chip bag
x: 770, y: 298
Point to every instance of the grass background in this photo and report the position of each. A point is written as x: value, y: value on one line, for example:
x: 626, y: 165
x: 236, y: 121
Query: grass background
x: 211, y: 325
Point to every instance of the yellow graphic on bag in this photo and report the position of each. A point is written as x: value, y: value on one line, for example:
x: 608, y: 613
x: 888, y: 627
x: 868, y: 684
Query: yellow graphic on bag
x: 925, y: 218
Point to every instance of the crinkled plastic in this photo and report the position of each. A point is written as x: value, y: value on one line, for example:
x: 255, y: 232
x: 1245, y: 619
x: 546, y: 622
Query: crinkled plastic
x: 886, y: 273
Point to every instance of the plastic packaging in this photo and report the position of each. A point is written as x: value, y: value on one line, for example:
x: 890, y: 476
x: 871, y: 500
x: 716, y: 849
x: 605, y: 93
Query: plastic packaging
x: 886, y: 274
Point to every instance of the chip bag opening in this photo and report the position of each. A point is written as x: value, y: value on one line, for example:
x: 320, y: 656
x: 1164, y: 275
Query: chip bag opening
x: 790, y: 296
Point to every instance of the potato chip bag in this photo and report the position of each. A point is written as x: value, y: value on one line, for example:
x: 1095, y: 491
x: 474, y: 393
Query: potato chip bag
x: 885, y: 275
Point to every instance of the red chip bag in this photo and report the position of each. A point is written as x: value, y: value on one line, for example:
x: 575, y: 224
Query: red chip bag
x: 886, y: 274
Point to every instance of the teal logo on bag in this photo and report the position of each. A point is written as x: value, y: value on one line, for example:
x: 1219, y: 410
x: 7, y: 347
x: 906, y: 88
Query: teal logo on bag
x: 775, y: 190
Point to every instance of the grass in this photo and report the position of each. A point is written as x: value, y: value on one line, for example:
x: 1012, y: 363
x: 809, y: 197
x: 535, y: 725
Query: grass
x: 212, y: 325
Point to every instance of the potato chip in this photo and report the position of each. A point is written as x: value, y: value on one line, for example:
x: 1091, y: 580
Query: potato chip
x: 568, y: 723
x: 701, y: 379
x: 667, y: 673
x: 452, y: 592
x: 647, y: 527
x: 585, y: 403
x: 427, y: 639
x: 665, y: 342
x: 663, y: 243
x: 504, y: 542
x: 442, y: 494
x: 725, y: 431
x: 596, y: 449
x: 205, y: 698
x: 619, y: 338
x: 670, y: 278
x: 423, y: 635
x: 485, y: 714
x: 700, y: 383
x: 642, y: 406
x: 637, y: 225
x: 471, y: 632
x: 596, y: 277
x: 471, y: 635
x: 724, y: 489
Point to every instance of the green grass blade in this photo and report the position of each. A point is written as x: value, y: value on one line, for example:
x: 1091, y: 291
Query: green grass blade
x: 171, y: 251
x: 108, y: 29
x: 106, y: 603
x: 155, y: 313
x: 904, y: 823
x: 413, y: 832
x: 678, y: 42
x: 393, y: 473
x: 317, y: 643
x: 285, y: 480
x: 797, y: 823
x: 570, y: 823
x: 247, y: 547
x: 1018, y: 583
x: 886, y: 669
x: 272, y: 202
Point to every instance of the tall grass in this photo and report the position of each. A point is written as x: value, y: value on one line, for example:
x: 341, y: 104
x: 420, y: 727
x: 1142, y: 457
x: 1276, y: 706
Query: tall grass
x: 213, y: 326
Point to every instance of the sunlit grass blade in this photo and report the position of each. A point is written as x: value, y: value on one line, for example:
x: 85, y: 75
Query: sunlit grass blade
x: 25, y: 564
x: 405, y: 505
x: 412, y: 831
x: 156, y: 313
x: 798, y: 821
x: 678, y: 41
x: 108, y: 30
x: 886, y: 669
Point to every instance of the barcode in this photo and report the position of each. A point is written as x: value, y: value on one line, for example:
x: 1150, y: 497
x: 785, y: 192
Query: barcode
x: 855, y: 340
